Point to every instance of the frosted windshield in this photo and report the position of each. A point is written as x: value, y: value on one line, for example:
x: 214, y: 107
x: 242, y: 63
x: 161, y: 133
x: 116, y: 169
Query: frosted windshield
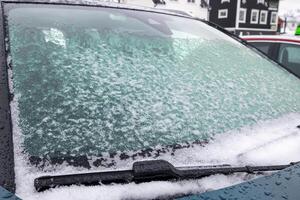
x: 91, y: 81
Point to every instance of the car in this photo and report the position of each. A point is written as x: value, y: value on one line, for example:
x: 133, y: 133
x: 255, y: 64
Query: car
x: 282, y: 49
x: 109, y: 101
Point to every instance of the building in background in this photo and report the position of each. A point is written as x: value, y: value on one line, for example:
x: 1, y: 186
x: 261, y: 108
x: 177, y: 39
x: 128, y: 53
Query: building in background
x: 245, y: 17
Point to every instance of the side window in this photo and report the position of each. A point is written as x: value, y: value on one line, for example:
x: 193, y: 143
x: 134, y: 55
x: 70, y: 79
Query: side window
x: 263, y: 46
x: 289, y: 57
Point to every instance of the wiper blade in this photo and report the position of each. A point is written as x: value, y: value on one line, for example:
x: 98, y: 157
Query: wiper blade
x: 146, y: 171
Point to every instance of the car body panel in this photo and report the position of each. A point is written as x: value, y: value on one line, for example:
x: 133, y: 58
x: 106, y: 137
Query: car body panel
x: 279, y: 186
x: 7, y: 173
x: 6, y: 195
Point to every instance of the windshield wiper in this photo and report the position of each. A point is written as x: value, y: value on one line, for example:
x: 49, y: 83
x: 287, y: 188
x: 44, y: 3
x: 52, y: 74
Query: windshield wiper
x: 145, y: 171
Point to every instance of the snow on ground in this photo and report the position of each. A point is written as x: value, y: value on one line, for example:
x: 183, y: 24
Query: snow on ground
x: 271, y: 142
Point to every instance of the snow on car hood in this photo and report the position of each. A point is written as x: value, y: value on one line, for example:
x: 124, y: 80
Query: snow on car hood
x: 269, y: 142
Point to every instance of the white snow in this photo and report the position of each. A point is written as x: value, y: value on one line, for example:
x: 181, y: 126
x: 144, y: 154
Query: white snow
x: 137, y: 191
x: 271, y: 142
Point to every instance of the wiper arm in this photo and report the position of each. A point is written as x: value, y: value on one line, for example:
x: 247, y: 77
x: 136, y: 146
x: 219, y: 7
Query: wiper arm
x: 145, y: 171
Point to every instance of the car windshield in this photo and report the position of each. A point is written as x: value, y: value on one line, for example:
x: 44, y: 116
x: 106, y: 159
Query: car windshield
x: 98, y: 82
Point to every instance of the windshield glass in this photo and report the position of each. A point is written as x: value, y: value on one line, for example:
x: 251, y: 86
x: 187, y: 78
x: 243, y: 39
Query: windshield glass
x: 98, y: 81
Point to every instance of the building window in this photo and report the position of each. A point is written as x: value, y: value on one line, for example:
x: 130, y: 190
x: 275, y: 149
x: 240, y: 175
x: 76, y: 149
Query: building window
x: 263, y: 17
x: 191, y: 1
x: 222, y: 1
x: 242, y: 15
x: 274, y: 18
x: 254, y: 16
x: 261, y: 1
x: 223, y: 13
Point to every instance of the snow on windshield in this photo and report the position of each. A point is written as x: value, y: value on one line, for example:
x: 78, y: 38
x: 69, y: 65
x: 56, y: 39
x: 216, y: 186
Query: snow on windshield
x: 85, y: 89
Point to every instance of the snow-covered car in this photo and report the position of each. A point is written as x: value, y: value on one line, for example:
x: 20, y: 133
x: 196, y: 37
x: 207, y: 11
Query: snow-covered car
x: 282, y: 49
x: 107, y: 101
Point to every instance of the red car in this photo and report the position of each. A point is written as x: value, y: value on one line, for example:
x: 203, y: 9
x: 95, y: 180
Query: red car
x: 283, y: 49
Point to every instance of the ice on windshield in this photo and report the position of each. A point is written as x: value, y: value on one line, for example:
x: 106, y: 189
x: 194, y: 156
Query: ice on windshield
x: 92, y: 87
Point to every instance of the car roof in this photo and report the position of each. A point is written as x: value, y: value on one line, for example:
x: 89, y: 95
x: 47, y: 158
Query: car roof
x: 273, y: 38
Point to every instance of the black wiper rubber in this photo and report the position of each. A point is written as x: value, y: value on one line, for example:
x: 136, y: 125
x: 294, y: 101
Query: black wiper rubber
x: 145, y: 171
